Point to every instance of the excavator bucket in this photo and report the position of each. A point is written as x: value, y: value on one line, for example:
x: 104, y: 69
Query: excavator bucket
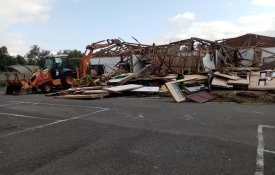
x: 16, y: 86
x: 17, y: 79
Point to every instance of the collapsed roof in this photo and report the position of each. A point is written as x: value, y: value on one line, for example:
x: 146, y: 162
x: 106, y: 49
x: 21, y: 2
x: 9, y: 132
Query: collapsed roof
x: 187, y: 55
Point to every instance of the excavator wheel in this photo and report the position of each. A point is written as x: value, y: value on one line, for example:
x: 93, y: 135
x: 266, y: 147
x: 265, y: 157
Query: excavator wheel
x: 67, y: 80
x: 9, y: 90
x: 13, y: 89
x: 46, y: 87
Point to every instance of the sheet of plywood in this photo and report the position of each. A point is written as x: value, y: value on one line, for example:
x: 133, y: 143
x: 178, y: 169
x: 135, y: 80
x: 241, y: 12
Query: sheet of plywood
x: 122, y: 78
x: 231, y: 77
x: 219, y: 82
x: 121, y: 88
x: 175, y: 91
x: 147, y: 89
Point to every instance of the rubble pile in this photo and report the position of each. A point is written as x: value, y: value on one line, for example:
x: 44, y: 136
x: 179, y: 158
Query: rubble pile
x: 189, y: 69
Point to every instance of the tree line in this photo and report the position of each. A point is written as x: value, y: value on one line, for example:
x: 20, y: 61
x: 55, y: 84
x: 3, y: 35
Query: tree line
x: 35, y: 56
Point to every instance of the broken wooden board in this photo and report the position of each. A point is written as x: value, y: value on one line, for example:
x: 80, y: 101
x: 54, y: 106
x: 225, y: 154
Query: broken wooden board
x: 219, y: 82
x: 238, y: 82
x: 122, y: 78
x: 175, y: 91
x: 163, y: 89
x: 201, y: 97
x: 195, y: 77
x: 85, y: 88
x: 121, y: 88
x: 95, y: 92
x: 147, y: 89
x: 90, y: 96
x: 231, y: 77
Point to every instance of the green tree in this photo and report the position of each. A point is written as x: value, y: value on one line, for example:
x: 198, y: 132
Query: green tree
x: 21, y: 60
x: 42, y: 57
x: 73, y: 57
x: 6, y: 59
x: 32, y: 55
x: 36, y: 56
x: 73, y: 53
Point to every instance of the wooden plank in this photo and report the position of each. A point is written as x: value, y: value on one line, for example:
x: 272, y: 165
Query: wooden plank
x: 147, y: 89
x: 163, y: 89
x: 95, y: 92
x: 175, y: 91
x: 231, y: 77
x: 194, y: 77
x: 122, y: 78
x: 121, y: 88
x: 238, y: 82
x: 85, y: 88
x: 219, y: 82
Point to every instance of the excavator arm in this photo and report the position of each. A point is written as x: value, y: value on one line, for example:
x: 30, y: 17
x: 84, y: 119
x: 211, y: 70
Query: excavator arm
x: 85, y: 60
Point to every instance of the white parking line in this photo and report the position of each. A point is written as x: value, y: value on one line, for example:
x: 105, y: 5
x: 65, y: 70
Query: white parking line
x: 54, y: 104
x: 261, y: 150
x: 268, y: 151
x: 49, y: 124
x: 8, y: 104
x: 25, y: 116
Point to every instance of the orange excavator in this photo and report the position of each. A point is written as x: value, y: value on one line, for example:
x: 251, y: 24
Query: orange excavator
x: 56, y: 72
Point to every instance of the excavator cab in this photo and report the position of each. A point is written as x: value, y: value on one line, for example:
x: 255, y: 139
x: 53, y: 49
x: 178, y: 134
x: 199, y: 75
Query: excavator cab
x: 59, y: 71
x: 56, y: 64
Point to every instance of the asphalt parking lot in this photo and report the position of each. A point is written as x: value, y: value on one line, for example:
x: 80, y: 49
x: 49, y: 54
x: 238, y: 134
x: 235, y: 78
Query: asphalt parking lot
x: 129, y: 135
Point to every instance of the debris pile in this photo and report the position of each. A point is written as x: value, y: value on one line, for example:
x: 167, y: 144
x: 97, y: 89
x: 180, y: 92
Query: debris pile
x: 187, y: 69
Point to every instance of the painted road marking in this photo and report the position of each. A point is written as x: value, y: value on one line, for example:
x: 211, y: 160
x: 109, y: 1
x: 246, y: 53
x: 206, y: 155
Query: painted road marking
x: 8, y: 104
x: 261, y: 150
x: 54, y: 104
x: 268, y: 151
x: 49, y: 124
x: 25, y: 116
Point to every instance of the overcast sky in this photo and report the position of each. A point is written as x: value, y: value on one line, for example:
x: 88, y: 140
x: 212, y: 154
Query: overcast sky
x: 72, y: 24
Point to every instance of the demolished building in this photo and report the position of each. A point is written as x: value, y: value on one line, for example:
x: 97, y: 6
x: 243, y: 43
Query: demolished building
x: 241, y: 63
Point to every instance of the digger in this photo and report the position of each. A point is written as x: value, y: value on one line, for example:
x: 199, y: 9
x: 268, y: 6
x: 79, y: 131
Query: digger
x: 56, y: 72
